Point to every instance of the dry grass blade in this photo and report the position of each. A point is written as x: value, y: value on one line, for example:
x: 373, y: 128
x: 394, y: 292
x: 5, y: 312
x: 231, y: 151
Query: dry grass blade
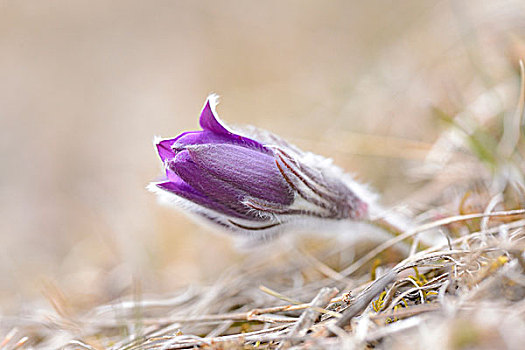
x: 309, y: 316
x: 366, y: 296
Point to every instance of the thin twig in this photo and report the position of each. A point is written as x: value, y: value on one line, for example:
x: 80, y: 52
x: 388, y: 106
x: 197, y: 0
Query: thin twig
x: 365, y: 297
x: 309, y: 316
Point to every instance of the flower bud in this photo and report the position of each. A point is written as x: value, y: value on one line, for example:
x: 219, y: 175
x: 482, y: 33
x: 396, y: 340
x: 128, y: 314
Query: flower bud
x: 253, y: 181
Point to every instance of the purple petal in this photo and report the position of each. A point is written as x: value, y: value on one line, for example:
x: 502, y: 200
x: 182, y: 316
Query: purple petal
x: 164, y: 149
x: 209, y: 120
x: 165, y: 146
x: 207, y: 137
x: 215, y: 189
x: 198, y: 137
x: 255, y: 173
x: 171, y: 175
x: 182, y: 189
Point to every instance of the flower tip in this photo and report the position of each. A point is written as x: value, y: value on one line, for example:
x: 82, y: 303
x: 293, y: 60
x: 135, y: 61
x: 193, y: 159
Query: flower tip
x: 209, y: 119
x: 212, y: 100
x: 163, y: 147
x: 210, y: 106
x: 361, y: 213
x: 157, y: 139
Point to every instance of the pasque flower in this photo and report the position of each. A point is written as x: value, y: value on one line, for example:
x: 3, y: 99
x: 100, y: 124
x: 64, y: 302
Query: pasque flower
x: 251, y: 181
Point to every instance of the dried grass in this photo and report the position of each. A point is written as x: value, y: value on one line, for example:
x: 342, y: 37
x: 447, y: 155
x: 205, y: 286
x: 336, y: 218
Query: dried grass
x: 475, y: 282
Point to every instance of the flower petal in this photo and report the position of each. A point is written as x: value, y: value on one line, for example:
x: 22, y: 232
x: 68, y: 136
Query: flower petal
x: 253, y: 172
x: 182, y: 189
x: 209, y: 120
x: 211, y: 186
x: 198, y: 137
x: 164, y: 148
x: 207, y: 137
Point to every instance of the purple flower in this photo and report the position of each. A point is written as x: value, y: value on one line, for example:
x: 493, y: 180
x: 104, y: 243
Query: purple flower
x: 252, y: 181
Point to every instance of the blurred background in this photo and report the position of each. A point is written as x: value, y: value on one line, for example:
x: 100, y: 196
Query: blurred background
x: 85, y: 85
